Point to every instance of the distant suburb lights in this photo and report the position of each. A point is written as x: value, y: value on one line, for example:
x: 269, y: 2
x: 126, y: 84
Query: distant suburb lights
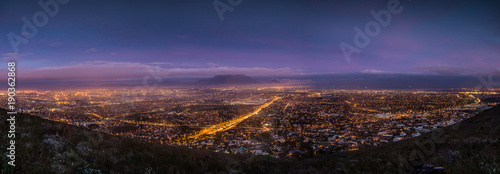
x: 40, y: 19
x: 372, y: 29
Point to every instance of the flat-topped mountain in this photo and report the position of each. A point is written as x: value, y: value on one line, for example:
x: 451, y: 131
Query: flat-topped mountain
x: 235, y: 79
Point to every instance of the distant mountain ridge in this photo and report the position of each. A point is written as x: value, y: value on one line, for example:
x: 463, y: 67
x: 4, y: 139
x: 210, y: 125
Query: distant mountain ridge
x: 321, y: 81
x: 231, y: 79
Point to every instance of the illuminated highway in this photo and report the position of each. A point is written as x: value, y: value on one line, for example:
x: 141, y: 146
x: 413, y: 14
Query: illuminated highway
x: 230, y: 124
x: 354, y: 105
x: 98, y: 116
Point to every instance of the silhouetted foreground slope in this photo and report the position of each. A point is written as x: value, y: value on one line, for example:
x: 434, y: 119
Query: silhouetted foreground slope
x: 49, y: 147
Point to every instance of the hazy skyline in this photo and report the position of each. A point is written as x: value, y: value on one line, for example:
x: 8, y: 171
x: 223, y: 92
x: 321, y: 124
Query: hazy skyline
x: 123, y: 39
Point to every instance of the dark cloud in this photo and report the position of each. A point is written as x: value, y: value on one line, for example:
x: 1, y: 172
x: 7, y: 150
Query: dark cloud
x: 445, y: 70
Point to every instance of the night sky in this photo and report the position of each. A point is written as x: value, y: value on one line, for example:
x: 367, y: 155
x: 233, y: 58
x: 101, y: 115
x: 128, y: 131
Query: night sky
x: 89, y: 39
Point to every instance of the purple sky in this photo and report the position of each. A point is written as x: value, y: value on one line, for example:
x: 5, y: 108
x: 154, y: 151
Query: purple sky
x: 124, y: 39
